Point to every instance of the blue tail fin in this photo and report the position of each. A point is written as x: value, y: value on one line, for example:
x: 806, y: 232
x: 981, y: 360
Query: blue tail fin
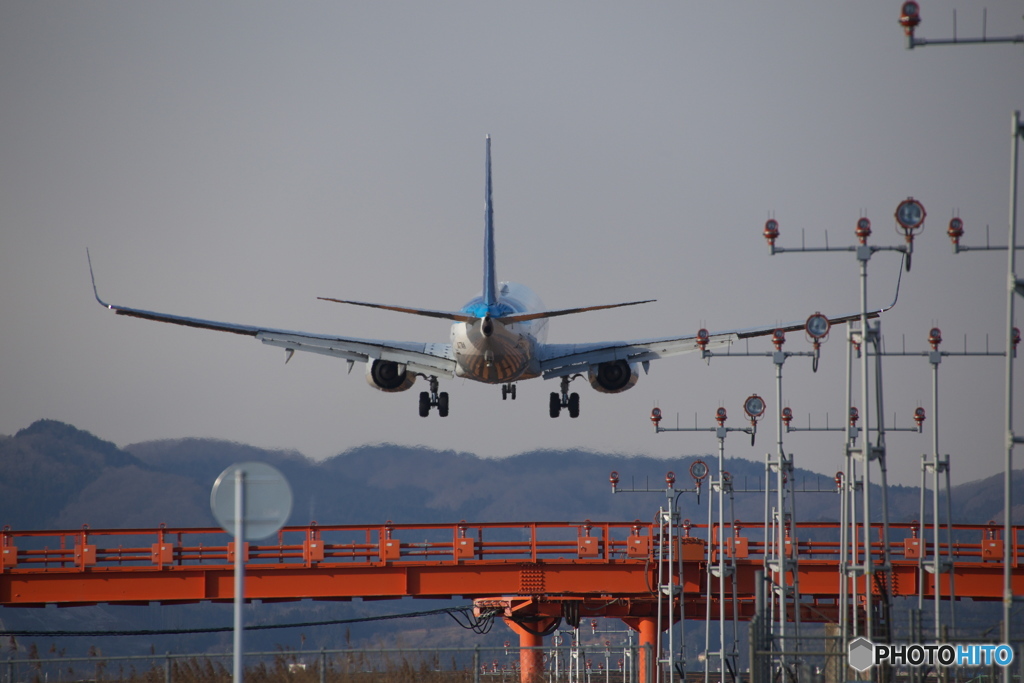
x: 490, y: 277
x: 488, y: 305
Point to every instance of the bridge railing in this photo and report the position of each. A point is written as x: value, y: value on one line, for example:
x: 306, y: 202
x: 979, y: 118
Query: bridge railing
x: 464, y: 542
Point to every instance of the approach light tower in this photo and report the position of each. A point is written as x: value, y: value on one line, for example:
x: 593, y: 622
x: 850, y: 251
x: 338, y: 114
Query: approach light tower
x: 721, y: 562
x: 909, y: 215
x: 910, y: 19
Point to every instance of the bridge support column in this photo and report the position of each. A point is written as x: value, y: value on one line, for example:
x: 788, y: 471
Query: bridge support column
x: 531, y: 639
x: 647, y: 662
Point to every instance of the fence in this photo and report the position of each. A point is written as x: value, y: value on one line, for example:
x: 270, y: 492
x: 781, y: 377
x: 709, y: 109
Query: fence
x: 588, y: 664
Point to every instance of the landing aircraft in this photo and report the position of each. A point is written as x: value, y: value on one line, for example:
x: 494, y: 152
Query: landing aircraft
x: 496, y: 338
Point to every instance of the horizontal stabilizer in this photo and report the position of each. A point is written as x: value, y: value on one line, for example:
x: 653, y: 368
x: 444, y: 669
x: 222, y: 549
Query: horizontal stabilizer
x: 523, y: 317
x: 459, y: 316
x: 444, y: 315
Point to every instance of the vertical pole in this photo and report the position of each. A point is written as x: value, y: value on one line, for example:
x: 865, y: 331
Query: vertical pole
x: 531, y: 657
x: 915, y: 637
x: 476, y: 664
x: 937, y: 559
x: 936, y: 562
x: 682, y: 600
x: 323, y: 665
x: 949, y: 549
x: 752, y: 647
x: 944, y: 670
x: 922, y: 534
x: 1011, y: 249
x: 883, y: 478
x: 661, y: 582
x: 843, y: 579
x: 883, y: 467
x: 783, y: 585
x: 237, y: 671
x: 847, y: 549
x: 794, y: 544
x: 167, y: 668
x: 783, y: 560
x: 721, y: 559
x: 855, y: 549
x: 865, y: 333
x: 732, y: 575
x: 648, y: 628
x: 671, y: 583
x: 707, y: 591
x: 758, y: 632
x: 766, y: 554
x: 531, y: 666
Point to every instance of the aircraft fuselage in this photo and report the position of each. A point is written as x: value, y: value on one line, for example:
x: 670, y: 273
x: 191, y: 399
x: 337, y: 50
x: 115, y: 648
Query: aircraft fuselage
x: 487, y: 350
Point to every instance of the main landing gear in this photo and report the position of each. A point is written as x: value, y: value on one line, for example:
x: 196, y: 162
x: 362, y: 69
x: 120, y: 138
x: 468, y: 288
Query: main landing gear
x: 564, y: 400
x: 432, y: 398
x: 508, y: 389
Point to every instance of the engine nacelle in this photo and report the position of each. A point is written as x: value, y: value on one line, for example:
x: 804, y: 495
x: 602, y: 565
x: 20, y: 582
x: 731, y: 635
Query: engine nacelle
x: 613, y: 376
x: 389, y: 376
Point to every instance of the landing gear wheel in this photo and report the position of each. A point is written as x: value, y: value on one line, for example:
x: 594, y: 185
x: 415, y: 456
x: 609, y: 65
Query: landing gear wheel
x: 424, y: 404
x: 574, y: 405
x: 429, y: 399
x: 508, y: 390
x: 564, y: 399
x: 442, y: 404
x: 555, y: 405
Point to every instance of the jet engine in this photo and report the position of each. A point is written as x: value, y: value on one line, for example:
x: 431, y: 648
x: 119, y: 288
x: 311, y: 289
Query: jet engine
x: 388, y: 376
x: 613, y: 376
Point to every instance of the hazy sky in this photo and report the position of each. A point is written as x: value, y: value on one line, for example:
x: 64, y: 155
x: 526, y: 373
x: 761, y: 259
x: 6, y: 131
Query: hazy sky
x: 235, y: 160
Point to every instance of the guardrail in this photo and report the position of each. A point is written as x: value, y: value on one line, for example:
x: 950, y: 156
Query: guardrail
x: 315, y: 545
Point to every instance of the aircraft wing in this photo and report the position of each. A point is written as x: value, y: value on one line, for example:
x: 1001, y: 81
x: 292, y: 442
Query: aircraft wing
x: 430, y: 359
x: 558, y: 360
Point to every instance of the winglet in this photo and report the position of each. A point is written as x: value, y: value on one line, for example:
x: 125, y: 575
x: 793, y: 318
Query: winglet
x: 93, y: 277
x: 490, y: 291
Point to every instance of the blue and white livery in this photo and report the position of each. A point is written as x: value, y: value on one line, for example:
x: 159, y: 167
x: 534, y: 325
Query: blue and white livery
x: 498, y: 337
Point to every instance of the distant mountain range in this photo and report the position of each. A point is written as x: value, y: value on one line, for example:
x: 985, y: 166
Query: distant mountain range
x: 58, y: 477
x: 55, y: 476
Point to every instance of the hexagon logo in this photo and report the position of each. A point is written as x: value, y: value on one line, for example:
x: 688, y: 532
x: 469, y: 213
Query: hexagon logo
x: 860, y: 654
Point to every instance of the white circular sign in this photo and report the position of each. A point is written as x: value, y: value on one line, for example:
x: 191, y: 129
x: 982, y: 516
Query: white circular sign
x: 910, y: 214
x: 754, y: 406
x: 817, y: 326
x: 698, y: 469
x: 266, y: 495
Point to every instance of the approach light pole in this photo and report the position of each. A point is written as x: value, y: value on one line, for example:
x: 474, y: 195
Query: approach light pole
x: 910, y: 19
x: 1015, y: 287
x: 718, y: 542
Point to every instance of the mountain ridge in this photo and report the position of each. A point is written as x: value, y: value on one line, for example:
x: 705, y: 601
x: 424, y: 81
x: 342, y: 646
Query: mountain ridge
x: 58, y: 476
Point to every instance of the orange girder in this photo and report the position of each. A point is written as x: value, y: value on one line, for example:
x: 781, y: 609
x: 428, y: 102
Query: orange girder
x: 590, y: 562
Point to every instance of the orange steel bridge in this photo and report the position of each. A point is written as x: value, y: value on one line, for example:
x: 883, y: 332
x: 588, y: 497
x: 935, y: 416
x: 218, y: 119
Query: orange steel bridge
x: 535, y: 573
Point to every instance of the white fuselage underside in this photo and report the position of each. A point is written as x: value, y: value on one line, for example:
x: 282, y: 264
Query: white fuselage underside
x: 509, y: 353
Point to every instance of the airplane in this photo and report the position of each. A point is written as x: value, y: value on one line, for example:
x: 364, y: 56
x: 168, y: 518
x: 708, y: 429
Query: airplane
x: 498, y: 337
